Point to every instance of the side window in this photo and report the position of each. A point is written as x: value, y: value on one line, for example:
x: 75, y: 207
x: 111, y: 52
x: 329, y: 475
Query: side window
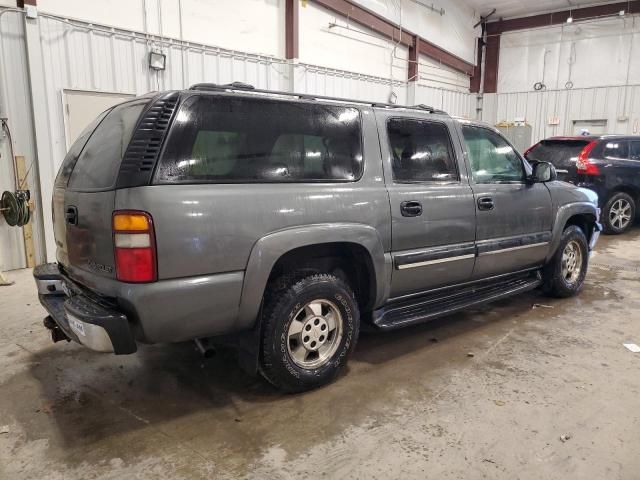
x: 492, y: 159
x: 634, y: 151
x: 220, y: 139
x: 421, y: 151
x: 615, y: 149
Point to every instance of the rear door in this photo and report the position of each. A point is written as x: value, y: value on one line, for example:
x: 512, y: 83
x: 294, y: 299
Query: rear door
x: 84, y: 196
x: 432, y: 209
x: 562, y: 153
x: 513, y: 216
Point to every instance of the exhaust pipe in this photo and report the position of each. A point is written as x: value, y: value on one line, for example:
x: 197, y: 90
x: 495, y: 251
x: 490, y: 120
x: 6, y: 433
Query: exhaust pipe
x: 205, y: 349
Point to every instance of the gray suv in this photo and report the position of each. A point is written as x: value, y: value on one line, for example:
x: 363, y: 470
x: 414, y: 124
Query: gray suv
x: 281, y: 224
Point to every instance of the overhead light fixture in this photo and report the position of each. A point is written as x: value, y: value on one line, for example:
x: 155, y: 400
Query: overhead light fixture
x: 621, y: 13
x: 569, y: 19
x: 157, y: 60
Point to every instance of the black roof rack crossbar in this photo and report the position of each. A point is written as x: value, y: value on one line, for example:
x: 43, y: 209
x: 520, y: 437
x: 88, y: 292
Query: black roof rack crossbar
x: 245, y: 87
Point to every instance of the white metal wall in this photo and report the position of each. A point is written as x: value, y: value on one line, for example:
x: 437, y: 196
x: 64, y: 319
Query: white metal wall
x: 619, y: 105
x: 78, y: 55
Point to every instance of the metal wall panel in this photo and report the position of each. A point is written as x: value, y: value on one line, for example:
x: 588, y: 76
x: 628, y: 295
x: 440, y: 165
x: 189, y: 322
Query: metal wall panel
x: 618, y: 105
x: 456, y: 103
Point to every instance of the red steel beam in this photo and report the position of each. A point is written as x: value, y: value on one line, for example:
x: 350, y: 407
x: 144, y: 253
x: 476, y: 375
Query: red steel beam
x: 557, y: 18
x: 413, y: 72
x: 291, y: 15
x: 474, y: 84
x: 491, y: 60
x: 377, y: 23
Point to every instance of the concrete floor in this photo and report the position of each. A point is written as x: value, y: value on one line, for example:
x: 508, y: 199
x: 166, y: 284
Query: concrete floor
x: 413, y: 404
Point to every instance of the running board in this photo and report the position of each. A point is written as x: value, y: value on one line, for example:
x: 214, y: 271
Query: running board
x: 430, y: 306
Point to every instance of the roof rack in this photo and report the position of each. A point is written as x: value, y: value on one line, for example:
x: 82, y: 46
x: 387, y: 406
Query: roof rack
x: 247, y: 88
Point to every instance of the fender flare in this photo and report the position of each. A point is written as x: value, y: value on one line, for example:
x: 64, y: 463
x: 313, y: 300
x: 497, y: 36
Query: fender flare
x: 268, y: 249
x: 564, y: 213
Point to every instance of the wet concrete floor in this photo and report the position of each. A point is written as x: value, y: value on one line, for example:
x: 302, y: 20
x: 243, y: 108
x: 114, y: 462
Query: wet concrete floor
x: 484, y: 394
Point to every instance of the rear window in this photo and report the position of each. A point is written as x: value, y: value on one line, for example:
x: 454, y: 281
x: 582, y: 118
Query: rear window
x: 561, y: 153
x: 98, y: 164
x: 219, y: 139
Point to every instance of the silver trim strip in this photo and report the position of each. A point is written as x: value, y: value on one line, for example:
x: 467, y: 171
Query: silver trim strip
x: 511, y: 249
x: 434, y: 262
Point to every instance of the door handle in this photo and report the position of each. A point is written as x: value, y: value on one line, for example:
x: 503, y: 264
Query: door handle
x: 485, y: 203
x: 412, y: 208
x: 71, y: 215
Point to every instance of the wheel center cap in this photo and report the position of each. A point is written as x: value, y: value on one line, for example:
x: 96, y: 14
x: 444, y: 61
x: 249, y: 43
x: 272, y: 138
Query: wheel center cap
x: 314, y: 333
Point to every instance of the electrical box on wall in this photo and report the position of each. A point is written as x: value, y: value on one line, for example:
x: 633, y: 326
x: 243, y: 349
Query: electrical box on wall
x: 518, y: 135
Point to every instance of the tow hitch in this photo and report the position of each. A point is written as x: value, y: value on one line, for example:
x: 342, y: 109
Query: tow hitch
x: 57, y: 335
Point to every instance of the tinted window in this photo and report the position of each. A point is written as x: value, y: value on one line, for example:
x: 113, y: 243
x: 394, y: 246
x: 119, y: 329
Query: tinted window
x: 634, y: 151
x: 98, y: 164
x: 72, y: 155
x: 491, y: 157
x: 561, y: 153
x: 615, y: 149
x: 234, y: 140
x: 421, y: 151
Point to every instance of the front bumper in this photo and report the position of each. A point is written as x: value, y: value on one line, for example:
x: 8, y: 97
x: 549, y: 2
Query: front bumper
x: 82, y: 319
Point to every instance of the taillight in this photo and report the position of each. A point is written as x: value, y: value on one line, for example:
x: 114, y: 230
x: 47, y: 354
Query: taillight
x: 583, y: 164
x: 135, y: 246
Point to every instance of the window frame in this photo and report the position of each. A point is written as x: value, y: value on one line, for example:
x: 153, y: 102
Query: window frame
x: 523, y: 161
x: 394, y: 180
x: 155, y: 180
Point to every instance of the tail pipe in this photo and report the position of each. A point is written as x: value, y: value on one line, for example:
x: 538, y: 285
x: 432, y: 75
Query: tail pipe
x: 205, y: 348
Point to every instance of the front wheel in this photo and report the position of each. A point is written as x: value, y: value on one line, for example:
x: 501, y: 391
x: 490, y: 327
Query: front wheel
x: 310, y: 327
x: 564, y: 275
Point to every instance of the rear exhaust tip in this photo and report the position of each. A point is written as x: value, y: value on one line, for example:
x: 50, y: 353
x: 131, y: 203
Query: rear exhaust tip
x: 205, y: 349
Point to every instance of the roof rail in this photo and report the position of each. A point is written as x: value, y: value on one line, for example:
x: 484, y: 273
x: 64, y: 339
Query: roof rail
x: 245, y: 87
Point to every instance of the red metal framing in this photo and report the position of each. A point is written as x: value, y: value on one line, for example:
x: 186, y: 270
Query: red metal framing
x: 291, y: 15
x: 414, y: 57
x: 387, y: 28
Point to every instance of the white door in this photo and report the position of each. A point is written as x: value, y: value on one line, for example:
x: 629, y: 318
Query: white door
x: 82, y: 107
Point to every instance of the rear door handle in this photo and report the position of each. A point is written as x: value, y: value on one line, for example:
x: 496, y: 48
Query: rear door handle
x: 411, y: 208
x: 485, y: 203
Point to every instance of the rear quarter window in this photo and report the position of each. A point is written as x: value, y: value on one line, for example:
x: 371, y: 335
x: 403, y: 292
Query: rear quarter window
x: 98, y: 164
x: 219, y: 139
x: 561, y: 153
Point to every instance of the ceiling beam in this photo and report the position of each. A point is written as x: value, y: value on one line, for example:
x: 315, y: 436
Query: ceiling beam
x: 291, y: 16
x: 557, y: 18
x: 386, y: 28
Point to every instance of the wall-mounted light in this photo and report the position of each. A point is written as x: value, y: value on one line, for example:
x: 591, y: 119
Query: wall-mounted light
x: 569, y: 19
x: 157, y: 61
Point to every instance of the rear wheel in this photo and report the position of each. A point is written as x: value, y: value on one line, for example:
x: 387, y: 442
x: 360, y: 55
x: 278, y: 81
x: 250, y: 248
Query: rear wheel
x: 619, y: 213
x: 310, y: 327
x: 564, y: 274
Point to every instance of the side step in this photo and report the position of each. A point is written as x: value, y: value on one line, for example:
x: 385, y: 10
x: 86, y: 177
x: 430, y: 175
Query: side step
x: 434, y: 305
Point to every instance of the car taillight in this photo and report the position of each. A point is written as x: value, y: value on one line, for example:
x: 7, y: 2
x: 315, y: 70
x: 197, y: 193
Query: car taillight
x: 135, y: 246
x: 583, y: 164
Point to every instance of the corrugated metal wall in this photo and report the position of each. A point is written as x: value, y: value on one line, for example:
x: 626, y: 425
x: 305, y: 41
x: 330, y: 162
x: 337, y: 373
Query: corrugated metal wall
x: 77, y: 55
x: 603, y: 103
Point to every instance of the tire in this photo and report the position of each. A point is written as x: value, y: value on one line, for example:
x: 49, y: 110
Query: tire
x: 560, y: 280
x: 618, y: 213
x: 314, y: 304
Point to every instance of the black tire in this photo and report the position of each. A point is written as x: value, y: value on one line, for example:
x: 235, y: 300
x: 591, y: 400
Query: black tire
x: 285, y: 304
x: 556, y: 282
x: 611, y: 226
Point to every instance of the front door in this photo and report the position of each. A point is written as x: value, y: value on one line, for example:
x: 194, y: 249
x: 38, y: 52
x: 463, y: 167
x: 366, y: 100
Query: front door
x: 514, y: 217
x: 432, y: 206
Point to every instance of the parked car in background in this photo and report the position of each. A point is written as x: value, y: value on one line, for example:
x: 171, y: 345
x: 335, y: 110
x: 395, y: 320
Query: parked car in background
x: 280, y: 223
x: 608, y: 165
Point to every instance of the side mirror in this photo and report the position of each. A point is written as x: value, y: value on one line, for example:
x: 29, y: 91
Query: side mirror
x: 543, y: 172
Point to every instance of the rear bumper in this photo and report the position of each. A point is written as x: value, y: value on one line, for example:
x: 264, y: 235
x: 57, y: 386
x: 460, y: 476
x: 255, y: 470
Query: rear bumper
x: 82, y: 319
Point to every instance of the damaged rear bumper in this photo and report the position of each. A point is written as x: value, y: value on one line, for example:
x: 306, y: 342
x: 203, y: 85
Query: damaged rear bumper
x: 80, y: 318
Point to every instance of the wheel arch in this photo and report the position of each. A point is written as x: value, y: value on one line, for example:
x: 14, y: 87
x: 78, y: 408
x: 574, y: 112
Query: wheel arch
x: 327, y: 244
x: 581, y: 214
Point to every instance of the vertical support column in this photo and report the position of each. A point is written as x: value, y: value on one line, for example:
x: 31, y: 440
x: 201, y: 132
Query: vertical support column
x: 413, y: 71
x: 291, y: 21
x: 44, y: 166
x: 492, y: 57
x: 474, y: 85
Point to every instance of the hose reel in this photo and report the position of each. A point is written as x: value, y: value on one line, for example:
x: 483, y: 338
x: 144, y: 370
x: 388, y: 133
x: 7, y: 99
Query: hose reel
x: 15, y: 207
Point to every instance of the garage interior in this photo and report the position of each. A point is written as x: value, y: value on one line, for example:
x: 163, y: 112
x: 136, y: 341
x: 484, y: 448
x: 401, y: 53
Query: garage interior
x: 528, y: 387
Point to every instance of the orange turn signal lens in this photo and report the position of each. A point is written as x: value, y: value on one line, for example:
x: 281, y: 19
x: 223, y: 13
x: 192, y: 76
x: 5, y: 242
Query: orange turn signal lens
x: 130, y: 222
